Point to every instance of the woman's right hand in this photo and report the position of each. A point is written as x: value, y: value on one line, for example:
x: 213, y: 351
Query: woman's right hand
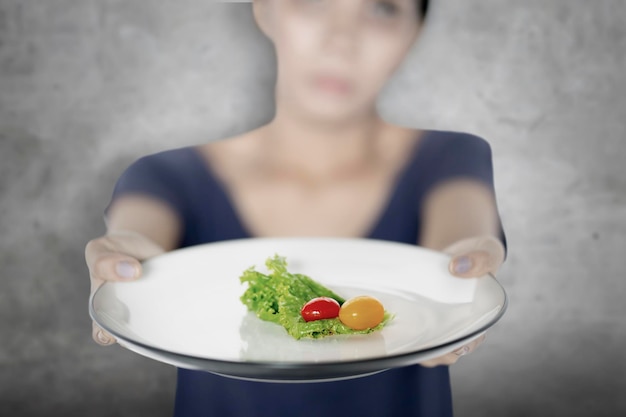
x: 116, y: 256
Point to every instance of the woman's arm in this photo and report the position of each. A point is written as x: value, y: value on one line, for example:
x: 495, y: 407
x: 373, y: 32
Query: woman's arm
x: 138, y: 228
x: 147, y: 216
x: 460, y: 217
x: 458, y: 209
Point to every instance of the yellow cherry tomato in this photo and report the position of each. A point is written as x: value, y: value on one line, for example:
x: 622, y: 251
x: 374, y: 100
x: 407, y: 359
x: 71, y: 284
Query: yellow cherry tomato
x: 362, y: 312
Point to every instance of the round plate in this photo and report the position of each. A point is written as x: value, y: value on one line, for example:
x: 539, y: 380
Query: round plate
x: 186, y: 311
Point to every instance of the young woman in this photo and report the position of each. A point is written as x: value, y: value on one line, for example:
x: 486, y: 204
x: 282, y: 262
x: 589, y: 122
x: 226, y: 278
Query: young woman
x: 326, y: 165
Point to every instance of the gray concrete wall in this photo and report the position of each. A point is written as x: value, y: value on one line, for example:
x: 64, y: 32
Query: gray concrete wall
x: 87, y: 86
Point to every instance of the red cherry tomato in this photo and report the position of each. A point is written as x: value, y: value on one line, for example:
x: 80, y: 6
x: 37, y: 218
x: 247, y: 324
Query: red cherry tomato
x: 320, y: 308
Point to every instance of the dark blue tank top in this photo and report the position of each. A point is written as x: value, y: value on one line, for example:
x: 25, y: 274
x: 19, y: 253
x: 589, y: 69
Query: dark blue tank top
x: 182, y: 179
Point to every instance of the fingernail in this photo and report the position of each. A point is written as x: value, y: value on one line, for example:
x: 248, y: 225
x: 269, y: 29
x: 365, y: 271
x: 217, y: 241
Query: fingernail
x: 126, y: 270
x: 102, y: 338
x: 462, y: 265
x: 463, y: 351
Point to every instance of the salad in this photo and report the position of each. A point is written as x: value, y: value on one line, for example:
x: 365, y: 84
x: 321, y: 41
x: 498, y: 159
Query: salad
x: 305, y: 308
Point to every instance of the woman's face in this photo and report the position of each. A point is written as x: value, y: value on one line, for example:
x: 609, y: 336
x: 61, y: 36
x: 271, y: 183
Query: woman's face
x: 335, y: 56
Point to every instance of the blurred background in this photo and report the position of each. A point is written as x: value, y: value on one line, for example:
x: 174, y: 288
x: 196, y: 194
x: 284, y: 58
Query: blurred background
x: 88, y: 86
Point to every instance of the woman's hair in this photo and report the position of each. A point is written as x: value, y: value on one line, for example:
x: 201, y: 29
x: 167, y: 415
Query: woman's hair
x: 423, y: 7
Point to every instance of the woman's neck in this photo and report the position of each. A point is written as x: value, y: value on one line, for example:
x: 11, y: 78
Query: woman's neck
x: 318, y: 149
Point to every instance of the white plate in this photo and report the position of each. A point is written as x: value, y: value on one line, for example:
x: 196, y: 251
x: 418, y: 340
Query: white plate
x: 186, y: 311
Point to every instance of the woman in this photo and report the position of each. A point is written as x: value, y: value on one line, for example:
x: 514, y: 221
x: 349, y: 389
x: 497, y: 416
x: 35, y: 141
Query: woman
x: 326, y: 165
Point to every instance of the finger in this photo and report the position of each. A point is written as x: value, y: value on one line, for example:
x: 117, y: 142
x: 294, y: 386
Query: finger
x: 471, y: 264
x: 117, y: 256
x: 473, y: 345
x: 453, y: 357
x: 474, y: 257
x: 106, y: 262
x: 445, y: 360
x: 100, y: 336
x: 132, y: 244
x: 115, y: 267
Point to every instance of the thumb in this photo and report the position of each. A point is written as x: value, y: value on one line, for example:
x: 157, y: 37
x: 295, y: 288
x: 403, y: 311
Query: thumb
x: 471, y: 264
x: 475, y: 257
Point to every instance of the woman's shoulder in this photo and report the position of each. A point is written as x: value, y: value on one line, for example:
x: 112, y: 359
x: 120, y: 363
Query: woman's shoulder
x: 450, y: 137
x: 439, y: 138
x: 456, y: 142
x: 184, y: 157
x: 162, y: 166
x: 159, y: 172
x: 453, y: 154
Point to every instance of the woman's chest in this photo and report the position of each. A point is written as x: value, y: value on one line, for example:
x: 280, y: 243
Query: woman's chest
x: 288, y: 207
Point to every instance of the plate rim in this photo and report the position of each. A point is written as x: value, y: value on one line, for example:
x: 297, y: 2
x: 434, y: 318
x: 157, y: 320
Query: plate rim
x: 301, y: 370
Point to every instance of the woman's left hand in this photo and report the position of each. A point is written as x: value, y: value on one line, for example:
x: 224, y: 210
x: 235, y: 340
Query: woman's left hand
x: 471, y: 258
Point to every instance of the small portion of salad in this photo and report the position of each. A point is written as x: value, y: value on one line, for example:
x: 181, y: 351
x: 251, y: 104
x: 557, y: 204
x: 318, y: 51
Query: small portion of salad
x: 306, y: 308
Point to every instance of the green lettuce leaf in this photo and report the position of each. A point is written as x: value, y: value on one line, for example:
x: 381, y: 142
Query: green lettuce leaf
x: 279, y: 297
